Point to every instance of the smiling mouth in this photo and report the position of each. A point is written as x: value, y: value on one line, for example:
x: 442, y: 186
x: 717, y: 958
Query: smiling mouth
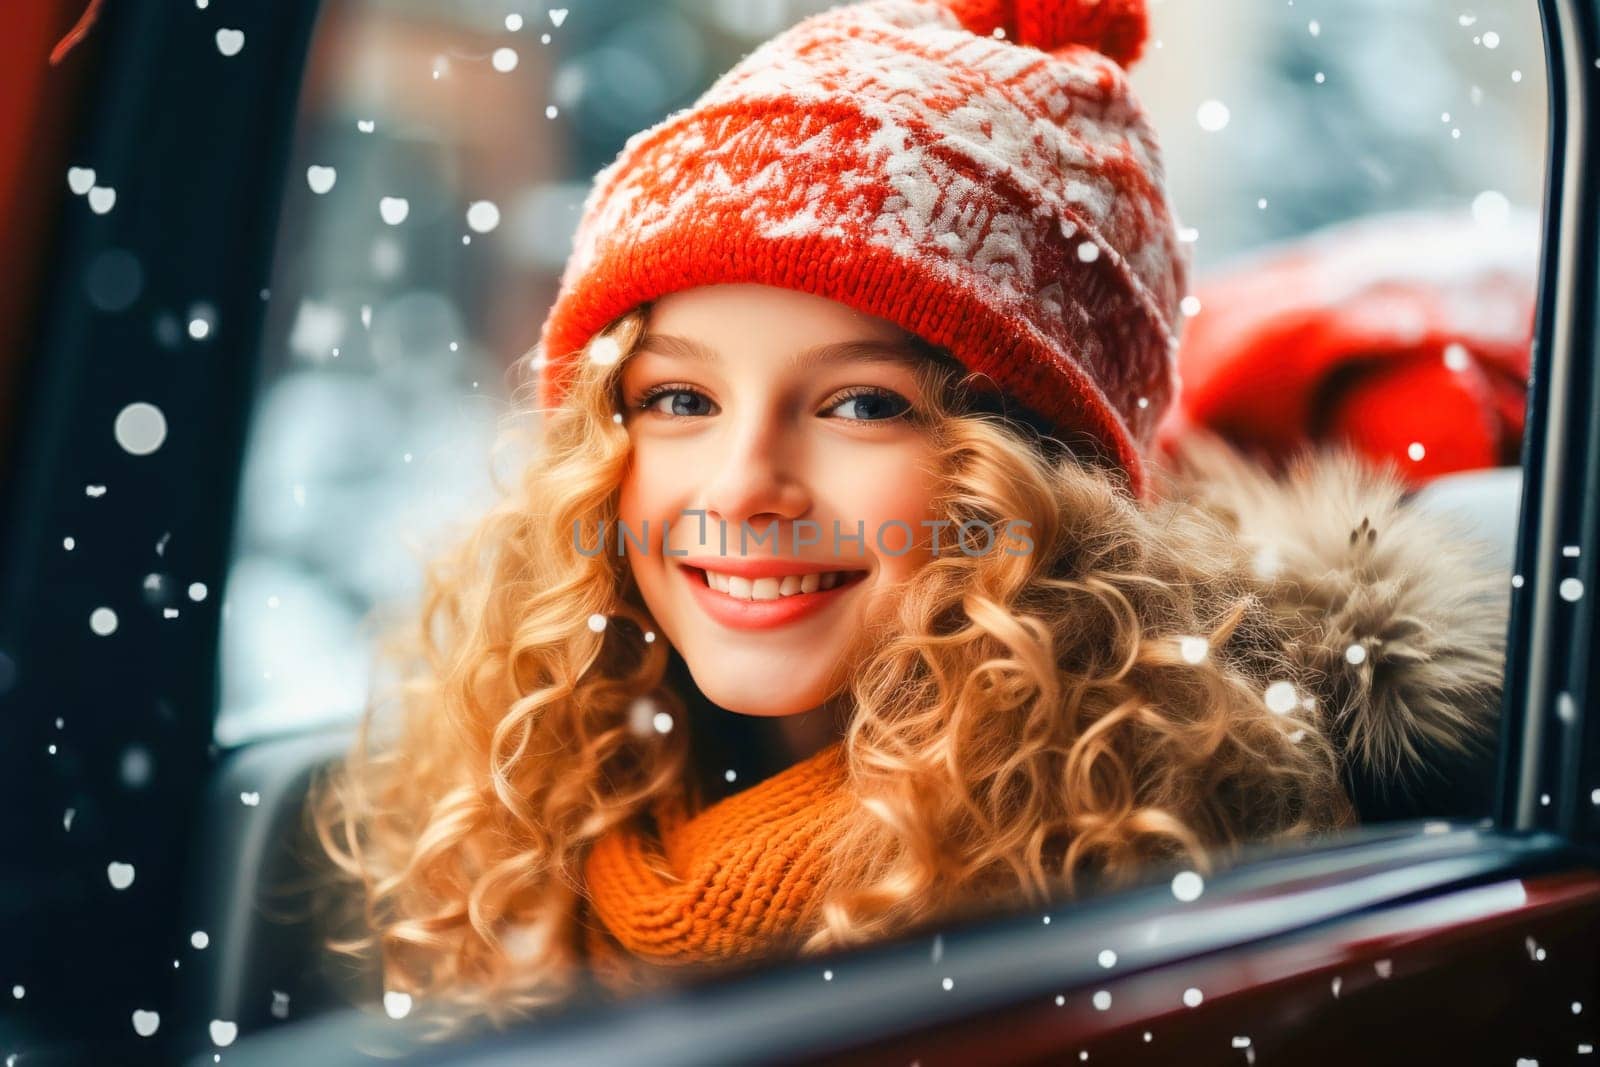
x: 760, y: 590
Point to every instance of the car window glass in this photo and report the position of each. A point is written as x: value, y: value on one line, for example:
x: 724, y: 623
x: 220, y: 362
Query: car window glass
x: 443, y: 151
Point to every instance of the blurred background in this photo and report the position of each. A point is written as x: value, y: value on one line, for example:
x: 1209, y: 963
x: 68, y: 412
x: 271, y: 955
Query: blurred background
x: 443, y: 151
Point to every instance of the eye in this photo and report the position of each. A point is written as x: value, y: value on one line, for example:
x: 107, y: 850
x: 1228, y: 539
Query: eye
x: 871, y: 404
x: 675, y: 396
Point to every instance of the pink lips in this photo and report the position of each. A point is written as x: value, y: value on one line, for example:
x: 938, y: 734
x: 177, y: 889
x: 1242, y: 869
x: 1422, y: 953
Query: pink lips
x: 762, y: 614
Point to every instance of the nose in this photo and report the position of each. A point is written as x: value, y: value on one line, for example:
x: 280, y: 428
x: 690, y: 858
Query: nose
x: 757, y: 478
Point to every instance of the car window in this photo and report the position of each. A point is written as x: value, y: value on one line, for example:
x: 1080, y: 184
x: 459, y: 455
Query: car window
x: 443, y: 151
x: 1354, y: 186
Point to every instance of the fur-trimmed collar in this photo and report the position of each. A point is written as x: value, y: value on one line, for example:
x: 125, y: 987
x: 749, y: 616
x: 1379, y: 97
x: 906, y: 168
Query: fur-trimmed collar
x: 1396, y: 615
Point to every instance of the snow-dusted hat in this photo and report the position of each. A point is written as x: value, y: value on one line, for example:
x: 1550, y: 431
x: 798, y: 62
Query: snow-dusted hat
x: 978, y: 172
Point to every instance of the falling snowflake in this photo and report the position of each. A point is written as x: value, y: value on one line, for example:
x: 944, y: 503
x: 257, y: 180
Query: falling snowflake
x: 397, y: 1004
x: 320, y: 178
x: 120, y: 874
x: 483, y: 216
x: 394, y: 209
x: 604, y: 350
x: 1281, y: 698
x: 140, y: 428
x: 1187, y: 886
x: 1212, y: 115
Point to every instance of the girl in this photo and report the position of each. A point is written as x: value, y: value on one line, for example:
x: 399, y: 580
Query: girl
x: 841, y: 598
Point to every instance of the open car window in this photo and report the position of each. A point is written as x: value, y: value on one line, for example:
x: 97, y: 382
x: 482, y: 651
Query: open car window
x: 442, y: 153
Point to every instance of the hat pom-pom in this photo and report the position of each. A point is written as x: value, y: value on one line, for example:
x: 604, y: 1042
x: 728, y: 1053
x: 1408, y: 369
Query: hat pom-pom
x: 1115, y: 28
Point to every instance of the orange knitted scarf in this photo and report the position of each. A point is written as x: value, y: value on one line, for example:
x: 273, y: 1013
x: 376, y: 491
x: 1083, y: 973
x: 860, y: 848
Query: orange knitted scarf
x: 735, y: 881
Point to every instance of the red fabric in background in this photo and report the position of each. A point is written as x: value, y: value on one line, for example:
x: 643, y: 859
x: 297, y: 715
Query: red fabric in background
x: 1343, y: 335
x: 38, y: 103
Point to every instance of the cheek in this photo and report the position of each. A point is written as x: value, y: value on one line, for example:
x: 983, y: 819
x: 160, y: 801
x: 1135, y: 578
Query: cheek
x: 650, y: 482
x: 639, y: 510
x: 885, y: 497
x: 647, y: 488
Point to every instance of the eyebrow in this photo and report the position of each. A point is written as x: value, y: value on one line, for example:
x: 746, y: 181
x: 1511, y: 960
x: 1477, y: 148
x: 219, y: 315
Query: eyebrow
x: 872, y: 351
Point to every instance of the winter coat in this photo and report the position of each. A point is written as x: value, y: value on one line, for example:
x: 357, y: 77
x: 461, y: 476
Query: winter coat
x: 1350, y: 562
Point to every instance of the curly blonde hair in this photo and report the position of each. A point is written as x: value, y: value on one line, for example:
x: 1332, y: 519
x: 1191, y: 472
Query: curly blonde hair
x: 1021, y: 725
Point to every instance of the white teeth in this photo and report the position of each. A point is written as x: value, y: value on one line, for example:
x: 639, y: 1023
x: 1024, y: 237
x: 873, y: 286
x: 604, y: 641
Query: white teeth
x: 772, y: 588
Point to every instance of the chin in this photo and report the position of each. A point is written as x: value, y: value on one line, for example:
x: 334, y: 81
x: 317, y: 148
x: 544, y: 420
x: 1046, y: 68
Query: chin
x: 762, y: 702
x: 770, y: 694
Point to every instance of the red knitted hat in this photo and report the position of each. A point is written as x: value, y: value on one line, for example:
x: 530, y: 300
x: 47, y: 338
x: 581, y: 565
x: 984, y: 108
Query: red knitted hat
x: 1405, y: 335
x: 978, y: 172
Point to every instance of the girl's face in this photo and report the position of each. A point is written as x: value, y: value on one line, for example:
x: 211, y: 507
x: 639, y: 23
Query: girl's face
x: 784, y: 418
